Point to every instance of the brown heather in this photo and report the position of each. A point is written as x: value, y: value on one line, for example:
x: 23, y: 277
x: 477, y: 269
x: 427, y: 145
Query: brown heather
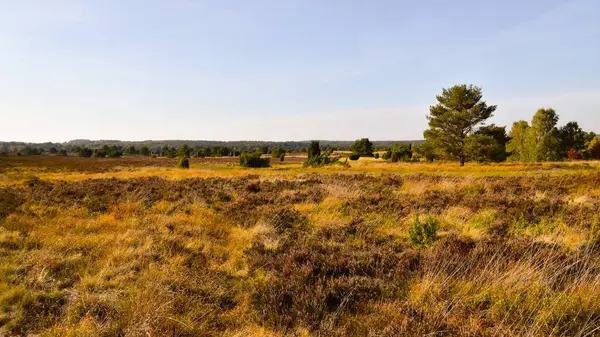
x: 132, y: 248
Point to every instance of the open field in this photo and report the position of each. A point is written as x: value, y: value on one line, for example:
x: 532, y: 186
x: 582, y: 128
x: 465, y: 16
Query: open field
x: 136, y: 247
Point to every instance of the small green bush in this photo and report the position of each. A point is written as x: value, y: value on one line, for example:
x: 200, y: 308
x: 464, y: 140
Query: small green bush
x: 354, y: 156
x: 321, y: 160
x: 254, y: 160
x: 184, y: 163
x: 277, y: 152
x: 422, y: 234
x: 282, y: 157
x: 376, y: 155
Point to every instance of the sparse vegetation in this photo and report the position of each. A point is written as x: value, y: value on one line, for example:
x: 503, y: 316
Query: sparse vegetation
x: 363, y: 147
x: 115, y: 247
x: 184, y: 163
x: 254, y: 160
x: 422, y: 234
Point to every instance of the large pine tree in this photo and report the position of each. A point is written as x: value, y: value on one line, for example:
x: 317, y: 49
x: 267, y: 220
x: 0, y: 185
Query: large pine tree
x: 458, y: 114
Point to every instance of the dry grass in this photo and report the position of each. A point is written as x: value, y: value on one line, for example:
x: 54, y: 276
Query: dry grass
x: 138, y: 250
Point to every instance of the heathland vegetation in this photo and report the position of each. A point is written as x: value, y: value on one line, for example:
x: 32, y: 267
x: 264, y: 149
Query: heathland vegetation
x: 136, y: 247
x: 309, y: 238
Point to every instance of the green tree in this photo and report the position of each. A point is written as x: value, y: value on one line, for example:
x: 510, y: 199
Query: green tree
x: 458, y: 114
x: 30, y: 151
x: 363, y: 147
x: 314, y: 149
x: 277, y: 152
x: 145, y: 151
x: 130, y: 151
x: 517, y: 145
x: 571, y: 137
x: 85, y: 152
x: 184, y: 163
x: 114, y: 152
x: 498, y: 146
x: 482, y: 148
x: 185, y: 151
x: 425, y: 150
x: 263, y: 149
x: 542, y: 142
x: 101, y: 152
x: 594, y: 148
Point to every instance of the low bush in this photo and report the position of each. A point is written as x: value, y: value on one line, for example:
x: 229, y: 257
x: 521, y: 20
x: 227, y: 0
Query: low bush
x: 354, y: 156
x: 323, y: 159
x: 184, y: 163
x: 422, y: 234
x: 253, y: 160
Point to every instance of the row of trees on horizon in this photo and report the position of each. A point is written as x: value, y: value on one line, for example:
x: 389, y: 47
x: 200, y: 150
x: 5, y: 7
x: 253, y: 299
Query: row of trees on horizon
x: 457, y: 131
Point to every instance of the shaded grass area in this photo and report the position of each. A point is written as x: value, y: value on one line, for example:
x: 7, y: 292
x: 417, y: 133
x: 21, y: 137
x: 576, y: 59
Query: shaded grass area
x: 310, y: 254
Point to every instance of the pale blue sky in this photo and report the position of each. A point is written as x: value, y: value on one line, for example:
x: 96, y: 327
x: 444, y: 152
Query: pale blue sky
x: 286, y: 70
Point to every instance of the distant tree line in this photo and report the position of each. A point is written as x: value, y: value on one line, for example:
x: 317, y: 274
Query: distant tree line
x: 170, y: 148
x: 457, y: 131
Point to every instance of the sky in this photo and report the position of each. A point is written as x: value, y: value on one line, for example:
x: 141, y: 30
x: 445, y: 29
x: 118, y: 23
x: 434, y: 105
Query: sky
x: 286, y: 69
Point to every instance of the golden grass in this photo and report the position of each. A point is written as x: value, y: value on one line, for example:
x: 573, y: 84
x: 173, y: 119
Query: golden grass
x: 257, y: 257
x: 18, y: 175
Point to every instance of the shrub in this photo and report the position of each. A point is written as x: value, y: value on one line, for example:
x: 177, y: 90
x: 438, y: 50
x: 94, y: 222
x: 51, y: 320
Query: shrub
x: 145, y: 151
x: 363, y: 147
x: 354, y: 156
x: 253, y: 160
x: 422, y: 234
x: 314, y: 150
x: 184, y: 163
x: 321, y: 160
x: 574, y: 154
x: 84, y: 152
x: 376, y: 155
x: 277, y: 152
x: 114, y: 154
x: 99, y: 153
x: 282, y: 156
x: 594, y: 148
